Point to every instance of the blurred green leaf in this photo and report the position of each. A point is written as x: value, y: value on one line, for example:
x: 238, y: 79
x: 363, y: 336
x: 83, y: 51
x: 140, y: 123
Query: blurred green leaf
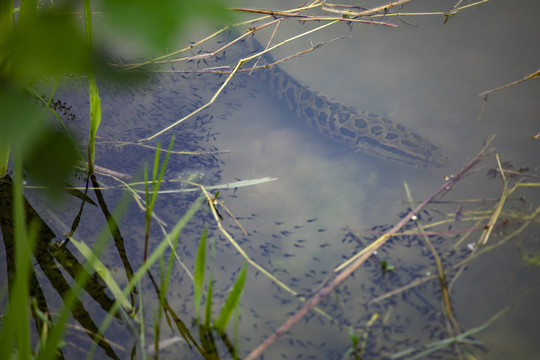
x: 354, y: 338
x: 50, y: 159
x: 5, y: 148
x: 232, y: 301
x: 198, y: 276
x: 95, y: 119
x: 157, y: 23
x: 19, y: 117
x: 48, y: 45
x: 94, y: 264
x: 210, y: 291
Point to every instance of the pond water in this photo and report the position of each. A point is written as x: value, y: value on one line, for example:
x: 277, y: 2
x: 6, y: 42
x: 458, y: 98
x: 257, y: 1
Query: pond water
x: 425, y: 75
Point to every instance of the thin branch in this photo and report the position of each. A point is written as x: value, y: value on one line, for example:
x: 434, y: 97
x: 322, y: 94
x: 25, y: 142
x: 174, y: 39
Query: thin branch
x: 380, y: 9
x: 505, y: 86
x: 365, y: 255
x: 231, y: 75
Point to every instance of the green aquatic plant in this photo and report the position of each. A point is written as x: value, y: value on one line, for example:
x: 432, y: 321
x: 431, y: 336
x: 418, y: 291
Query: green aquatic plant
x: 24, y: 32
x: 155, y: 256
x: 5, y: 148
x: 386, y: 268
x: 151, y: 194
x: 232, y: 301
x: 198, y: 274
x: 93, y: 92
x: 15, y: 331
x: 210, y: 291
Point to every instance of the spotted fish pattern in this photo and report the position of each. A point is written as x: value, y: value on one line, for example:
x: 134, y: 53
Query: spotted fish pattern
x: 366, y: 132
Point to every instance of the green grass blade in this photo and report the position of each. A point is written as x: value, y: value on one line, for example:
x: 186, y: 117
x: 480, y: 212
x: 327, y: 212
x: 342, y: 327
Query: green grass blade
x: 5, y: 147
x: 198, y: 276
x: 141, y: 331
x: 210, y: 292
x: 95, y: 100
x: 232, y: 301
x: 94, y: 264
x: 156, y: 180
x: 16, y: 322
x: 55, y: 336
x: 156, y: 164
x: 95, y: 119
x: 166, y: 279
x: 154, y: 256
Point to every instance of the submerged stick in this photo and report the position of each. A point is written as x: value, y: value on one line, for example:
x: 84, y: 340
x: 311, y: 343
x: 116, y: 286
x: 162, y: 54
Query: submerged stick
x: 526, y: 78
x: 440, y: 269
x: 365, y: 255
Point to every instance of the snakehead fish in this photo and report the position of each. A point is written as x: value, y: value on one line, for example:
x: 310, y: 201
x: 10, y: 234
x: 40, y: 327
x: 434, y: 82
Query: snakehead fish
x: 367, y: 132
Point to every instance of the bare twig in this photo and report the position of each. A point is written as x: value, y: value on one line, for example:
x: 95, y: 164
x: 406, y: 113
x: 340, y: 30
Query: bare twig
x: 365, y: 255
x: 232, y: 74
x: 505, y: 86
x: 380, y: 9
x: 440, y: 270
x: 247, y: 258
x: 112, y: 172
x: 448, y: 185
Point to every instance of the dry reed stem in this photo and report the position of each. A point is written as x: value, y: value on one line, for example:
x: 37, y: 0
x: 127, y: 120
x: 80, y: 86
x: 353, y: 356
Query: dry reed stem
x: 412, y: 284
x: 383, y: 8
x: 440, y: 271
x: 227, y: 69
x: 505, y: 194
x: 216, y: 201
x: 161, y: 59
x: 470, y: 229
x: 365, y: 255
x: 231, y: 75
x: 513, y: 83
x: 519, y: 173
x: 302, y: 17
x: 445, y: 188
x: 287, y: 13
x: 242, y: 61
x: 253, y: 263
x: 475, y: 252
x: 112, y: 172
x: 441, y: 13
x: 525, y: 222
x: 180, y: 152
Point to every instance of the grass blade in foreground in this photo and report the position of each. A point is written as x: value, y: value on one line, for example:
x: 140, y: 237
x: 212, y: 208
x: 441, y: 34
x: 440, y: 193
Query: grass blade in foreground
x: 16, y: 321
x: 4, y: 157
x: 154, y: 256
x: 95, y: 100
x: 198, y: 275
x: 94, y: 264
x: 156, y: 182
x: 210, y: 292
x: 232, y: 301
